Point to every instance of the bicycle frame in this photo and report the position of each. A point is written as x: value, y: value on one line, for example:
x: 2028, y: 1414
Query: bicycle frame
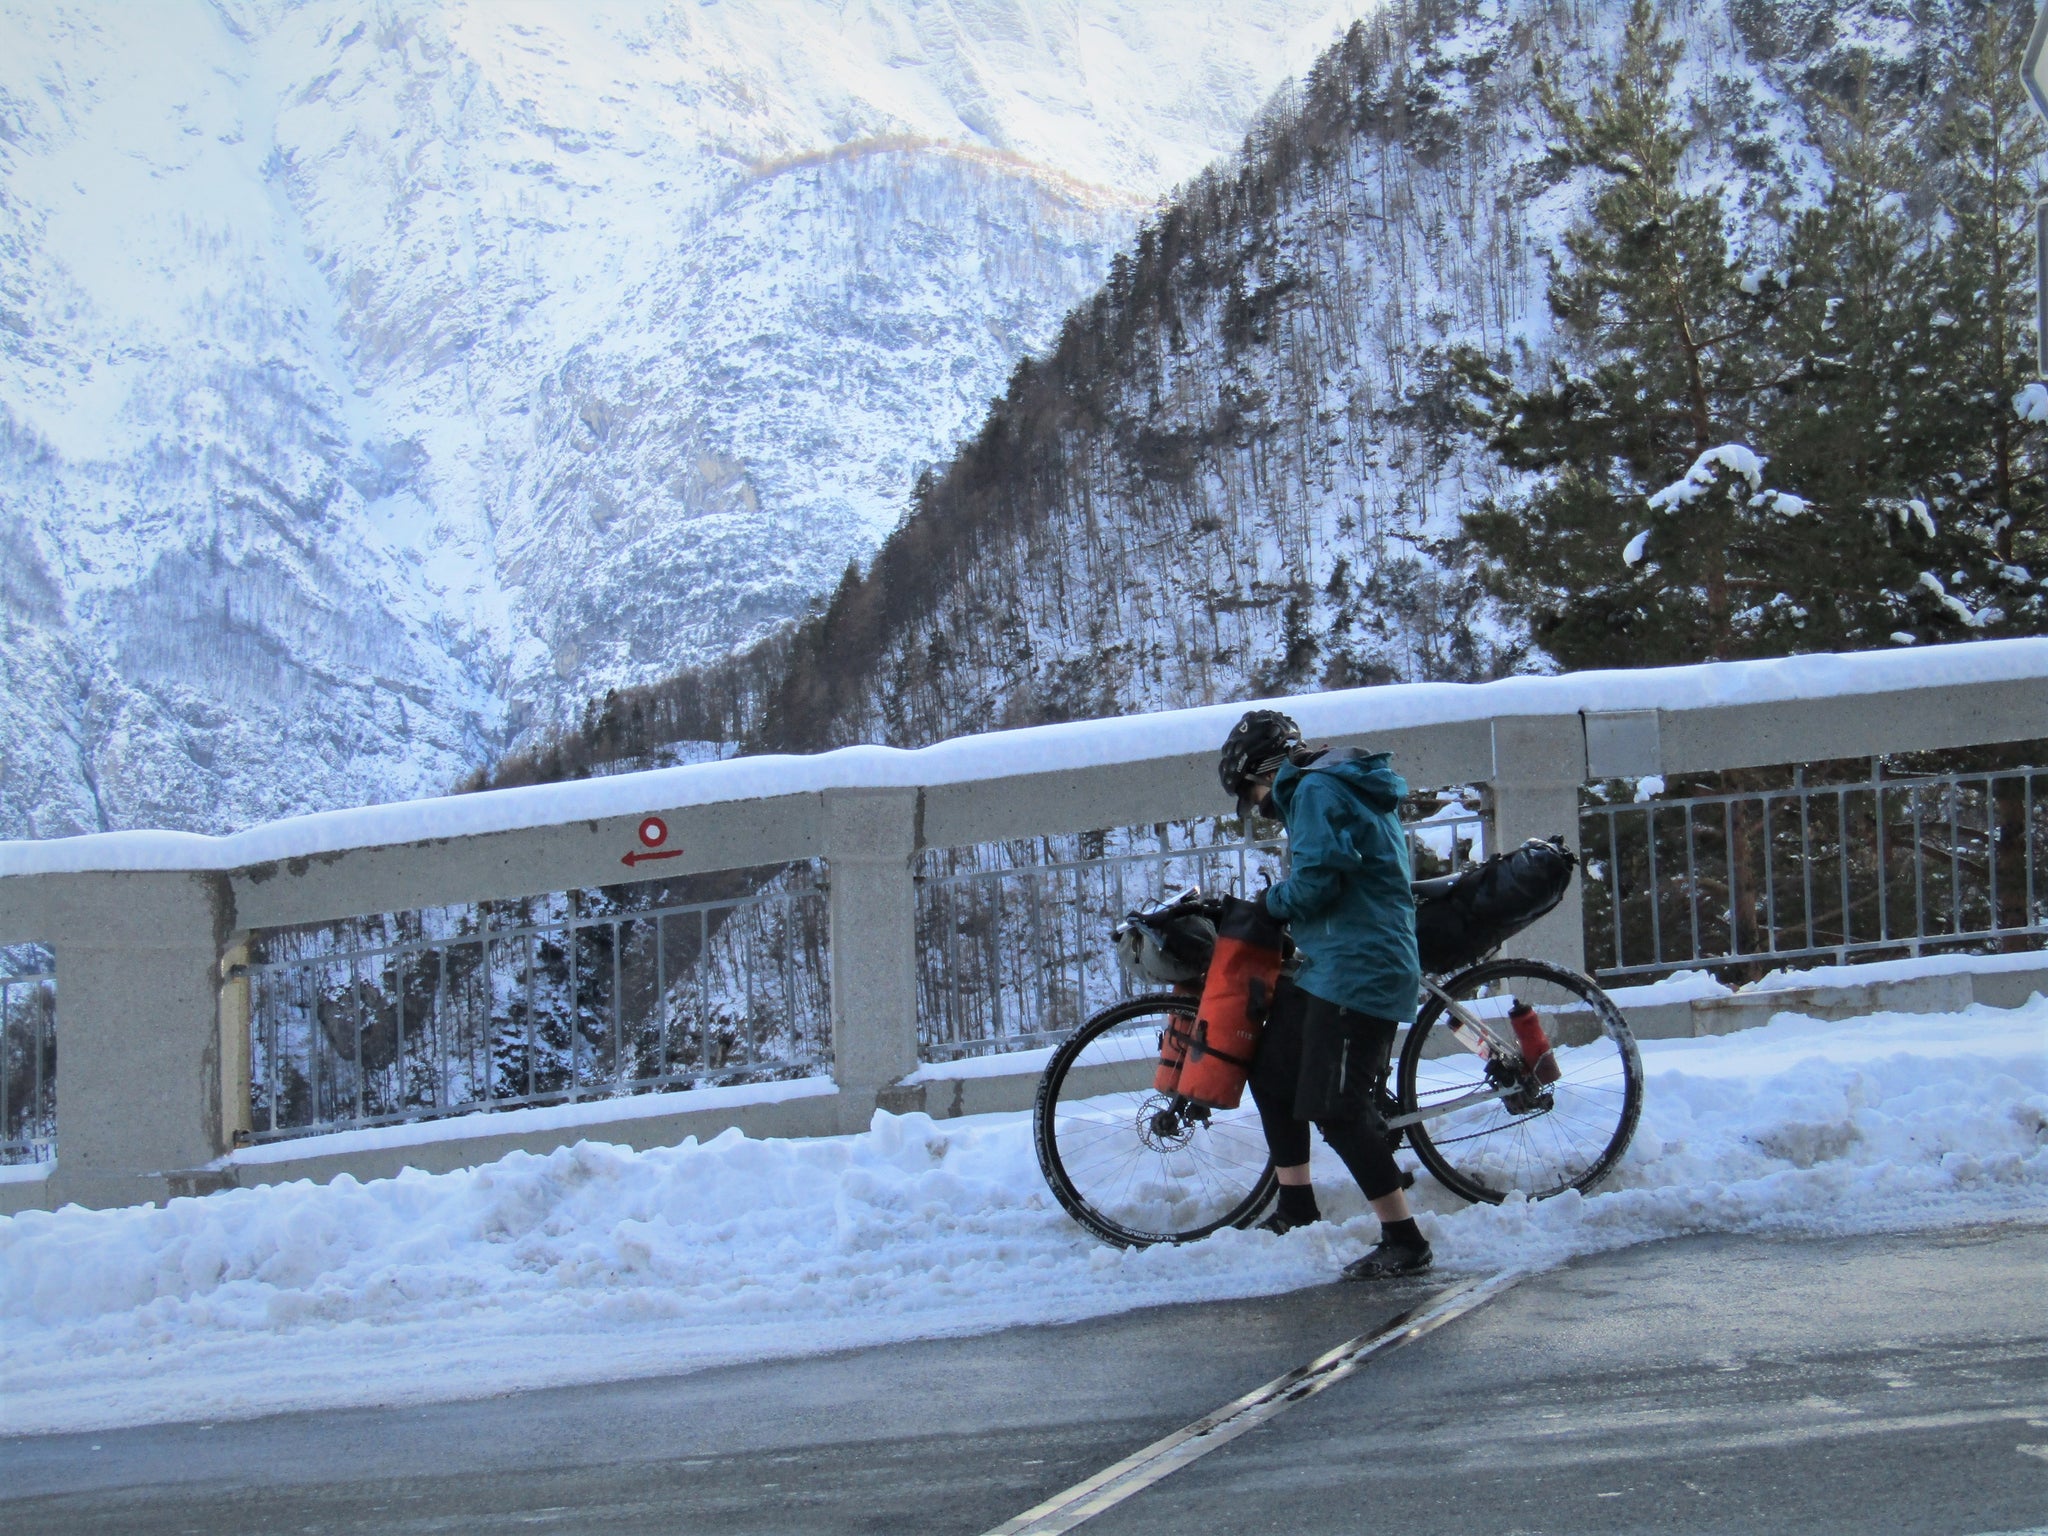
x: 1477, y: 1036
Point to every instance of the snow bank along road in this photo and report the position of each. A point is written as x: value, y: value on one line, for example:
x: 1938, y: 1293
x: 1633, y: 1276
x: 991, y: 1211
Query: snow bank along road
x: 595, y: 1263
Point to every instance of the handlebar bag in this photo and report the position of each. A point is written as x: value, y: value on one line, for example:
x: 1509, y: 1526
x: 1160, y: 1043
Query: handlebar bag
x: 1235, y: 1000
x: 1490, y: 903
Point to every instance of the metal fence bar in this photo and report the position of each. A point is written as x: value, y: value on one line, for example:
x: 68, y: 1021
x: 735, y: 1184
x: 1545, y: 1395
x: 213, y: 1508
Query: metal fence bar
x: 1919, y: 870
x: 1692, y: 881
x: 1997, y: 907
x: 2027, y: 842
x: 1656, y: 904
x: 570, y: 958
x: 1614, y: 882
x: 1728, y: 860
x: 1884, y: 917
x: 46, y: 1029
x: 1805, y: 853
x: 1955, y: 864
x: 355, y: 992
x: 1842, y: 826
x: 6, y: 1095
x: 7, y: 1087
x: 995, y: 993
x: 527, y: 945
x: 698, y: 995
x: 401, y: 966
x: 1770, y: 878
x: 269, y: 984
x: 664, y: 1063
x: 748, y: 940
x: 315, y: 1057
x: 442, y: 1030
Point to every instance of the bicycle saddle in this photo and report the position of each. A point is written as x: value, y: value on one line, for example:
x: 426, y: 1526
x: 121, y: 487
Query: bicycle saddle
x: 1426, y: 889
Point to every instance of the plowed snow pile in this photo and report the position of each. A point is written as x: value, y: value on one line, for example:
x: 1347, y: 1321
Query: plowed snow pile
x: 595, y: 1263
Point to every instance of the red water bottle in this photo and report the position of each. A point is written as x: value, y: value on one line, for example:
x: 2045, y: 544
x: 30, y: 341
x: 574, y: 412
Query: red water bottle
x: 1534, y: 1042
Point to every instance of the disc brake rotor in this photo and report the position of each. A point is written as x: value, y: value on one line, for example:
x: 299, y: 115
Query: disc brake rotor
x: 1162, y: 1127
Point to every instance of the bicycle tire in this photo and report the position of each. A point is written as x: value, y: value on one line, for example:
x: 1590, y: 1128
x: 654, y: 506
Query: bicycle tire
x: 1537, y: 1142
x: 1096, y: 1131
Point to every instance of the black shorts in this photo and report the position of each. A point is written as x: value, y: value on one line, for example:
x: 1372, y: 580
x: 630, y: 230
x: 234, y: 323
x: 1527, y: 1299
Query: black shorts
x: 1330, y: 1060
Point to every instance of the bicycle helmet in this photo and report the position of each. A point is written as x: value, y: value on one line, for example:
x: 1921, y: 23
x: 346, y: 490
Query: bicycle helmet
x: 1257, y: 745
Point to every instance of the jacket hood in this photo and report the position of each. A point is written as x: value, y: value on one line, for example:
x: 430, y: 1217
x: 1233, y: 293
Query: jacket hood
x: 1369, y: 775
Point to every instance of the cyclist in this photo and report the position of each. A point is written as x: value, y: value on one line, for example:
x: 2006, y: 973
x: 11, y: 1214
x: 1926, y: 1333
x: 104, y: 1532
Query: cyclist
x: 1323, y: 1056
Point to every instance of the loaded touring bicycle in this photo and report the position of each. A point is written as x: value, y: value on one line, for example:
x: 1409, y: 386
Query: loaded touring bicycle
x: 1518, y: 1078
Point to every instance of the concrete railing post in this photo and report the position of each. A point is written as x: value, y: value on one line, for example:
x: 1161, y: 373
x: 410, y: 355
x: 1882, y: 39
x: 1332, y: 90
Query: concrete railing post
x: 870, y: 839
x: 139, y: 1071
x: 1539, y: 766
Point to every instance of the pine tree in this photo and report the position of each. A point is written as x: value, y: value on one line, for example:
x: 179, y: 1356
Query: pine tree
x: 1854, y: 346
x: 1659, y: 317
x: 1985, y: 142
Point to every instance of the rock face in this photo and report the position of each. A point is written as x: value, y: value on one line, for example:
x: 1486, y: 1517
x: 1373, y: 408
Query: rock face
x: 377, y: 382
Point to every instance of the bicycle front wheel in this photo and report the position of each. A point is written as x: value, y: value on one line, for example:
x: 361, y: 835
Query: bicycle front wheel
x: 1133, y: 1165
x: 1521, y: 1135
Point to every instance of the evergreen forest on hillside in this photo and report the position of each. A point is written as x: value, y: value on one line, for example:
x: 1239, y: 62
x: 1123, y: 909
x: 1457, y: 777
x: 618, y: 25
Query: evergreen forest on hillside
x: 1804, y: 438
x: 1519, y: 336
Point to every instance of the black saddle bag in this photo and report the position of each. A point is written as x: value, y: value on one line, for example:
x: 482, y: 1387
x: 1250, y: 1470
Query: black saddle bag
x: 1491, y: 902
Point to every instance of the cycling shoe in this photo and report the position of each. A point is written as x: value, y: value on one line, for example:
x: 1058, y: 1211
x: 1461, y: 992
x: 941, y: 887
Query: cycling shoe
x: 1390, y: 1261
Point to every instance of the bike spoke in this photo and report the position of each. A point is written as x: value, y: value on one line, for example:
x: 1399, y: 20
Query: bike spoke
x: 1131, y: 1181
x: 1569, y: 1132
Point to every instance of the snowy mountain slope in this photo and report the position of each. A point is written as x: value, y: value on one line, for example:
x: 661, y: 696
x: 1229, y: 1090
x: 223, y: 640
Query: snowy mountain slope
x: 177, y: 462
x: 380, y: 379
x: 1233, y: 473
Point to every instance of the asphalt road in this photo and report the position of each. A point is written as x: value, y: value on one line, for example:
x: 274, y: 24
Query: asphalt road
x: 1710, y: 1384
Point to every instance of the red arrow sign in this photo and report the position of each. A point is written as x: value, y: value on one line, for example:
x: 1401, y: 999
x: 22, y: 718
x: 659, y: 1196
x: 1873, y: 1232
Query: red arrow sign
x: 635, y: 857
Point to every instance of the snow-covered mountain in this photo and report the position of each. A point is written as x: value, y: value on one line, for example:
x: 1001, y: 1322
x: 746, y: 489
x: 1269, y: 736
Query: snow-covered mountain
x: 1241, y: 468
x: 378, y: 381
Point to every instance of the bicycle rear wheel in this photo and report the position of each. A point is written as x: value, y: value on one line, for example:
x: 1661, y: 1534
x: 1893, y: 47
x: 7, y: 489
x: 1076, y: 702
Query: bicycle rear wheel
x: 1532, y: 1138
x: 1133, y: 1165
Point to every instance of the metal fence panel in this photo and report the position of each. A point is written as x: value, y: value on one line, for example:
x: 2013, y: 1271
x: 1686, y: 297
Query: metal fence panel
x: 1878, y: 866
x: 573, y: 996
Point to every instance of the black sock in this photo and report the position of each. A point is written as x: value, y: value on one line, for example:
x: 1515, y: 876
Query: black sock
x: 1405, y: 1233
x: 1298, y: 1204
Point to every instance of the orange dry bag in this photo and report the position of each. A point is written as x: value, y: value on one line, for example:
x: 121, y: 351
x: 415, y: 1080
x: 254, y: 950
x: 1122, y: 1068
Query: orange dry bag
x: 1174, y: 1041
x: 1235, y: 999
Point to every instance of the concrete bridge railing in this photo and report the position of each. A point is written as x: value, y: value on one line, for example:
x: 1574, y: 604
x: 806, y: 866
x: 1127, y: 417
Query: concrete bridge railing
x: 147, y: 928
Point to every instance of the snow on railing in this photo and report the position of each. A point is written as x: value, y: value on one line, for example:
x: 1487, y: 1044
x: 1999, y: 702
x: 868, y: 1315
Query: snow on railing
x: 1075, y: 747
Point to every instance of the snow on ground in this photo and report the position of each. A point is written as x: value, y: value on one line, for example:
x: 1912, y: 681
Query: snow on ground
x: 596, y: 1263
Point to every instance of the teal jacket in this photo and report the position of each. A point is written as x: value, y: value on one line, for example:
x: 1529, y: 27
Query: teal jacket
x: 1346, y: 897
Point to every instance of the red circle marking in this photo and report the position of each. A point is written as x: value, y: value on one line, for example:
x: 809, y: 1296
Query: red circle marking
x: 653, y: 832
